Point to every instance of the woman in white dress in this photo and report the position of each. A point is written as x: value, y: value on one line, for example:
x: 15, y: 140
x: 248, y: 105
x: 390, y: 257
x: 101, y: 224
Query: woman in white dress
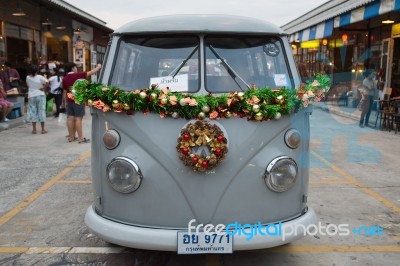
x: 36, y: 99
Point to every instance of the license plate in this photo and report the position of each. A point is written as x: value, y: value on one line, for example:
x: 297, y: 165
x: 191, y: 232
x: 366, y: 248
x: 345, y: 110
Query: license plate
x: 204, y: 243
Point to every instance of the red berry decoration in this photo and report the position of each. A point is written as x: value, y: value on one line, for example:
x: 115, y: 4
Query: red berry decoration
x: 195, y: 159
x: 204, y: 164
x: 185, y: 150
x: 218, y: 152
x: 186, y: 137
x: 220, y: 138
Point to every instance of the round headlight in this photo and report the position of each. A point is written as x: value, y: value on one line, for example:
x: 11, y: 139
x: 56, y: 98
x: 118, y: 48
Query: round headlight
x: 111, y: 139
x: 292, y: 138
x: 124, y: 175
x: 281, y: 174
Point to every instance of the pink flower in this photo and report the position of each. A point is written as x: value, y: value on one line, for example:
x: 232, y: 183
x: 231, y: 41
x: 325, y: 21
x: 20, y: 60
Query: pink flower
x: 319, y: 92
x: 253, y: 100
x: 213, y: 114
x: 98, y: 104
x: 315, y: 83
x: 172, y: 100
x: 192, y: 102
x: 106, y: 108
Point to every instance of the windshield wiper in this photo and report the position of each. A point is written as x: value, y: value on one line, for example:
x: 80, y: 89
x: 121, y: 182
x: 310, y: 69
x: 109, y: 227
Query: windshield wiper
x: 230, y: 70
x: 176, y: 70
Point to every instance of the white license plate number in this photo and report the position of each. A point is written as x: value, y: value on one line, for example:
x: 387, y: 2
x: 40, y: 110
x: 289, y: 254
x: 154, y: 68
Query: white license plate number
x: 204, y: 243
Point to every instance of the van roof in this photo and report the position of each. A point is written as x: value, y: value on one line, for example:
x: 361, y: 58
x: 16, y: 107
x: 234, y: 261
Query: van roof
x: 199, y: 24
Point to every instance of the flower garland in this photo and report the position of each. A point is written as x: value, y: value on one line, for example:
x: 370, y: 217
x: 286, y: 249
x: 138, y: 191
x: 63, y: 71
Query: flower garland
x: 260, y: 104
x: 201, y: 134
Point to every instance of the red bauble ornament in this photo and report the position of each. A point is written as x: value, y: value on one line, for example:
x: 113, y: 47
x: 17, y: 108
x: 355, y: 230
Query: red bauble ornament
x: 185, y: 150
x: 186, y: 137
x: 204, y: 164
x: 218, y: 152
x: 195, y: 159
x: 220, y: 138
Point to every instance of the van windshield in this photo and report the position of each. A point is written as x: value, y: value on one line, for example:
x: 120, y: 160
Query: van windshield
x: 235, y: 63
x: 231, y: 63
x: 146, y: 60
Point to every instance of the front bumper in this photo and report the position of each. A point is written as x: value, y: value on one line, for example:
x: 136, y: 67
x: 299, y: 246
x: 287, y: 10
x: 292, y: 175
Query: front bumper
x: 166, y: 239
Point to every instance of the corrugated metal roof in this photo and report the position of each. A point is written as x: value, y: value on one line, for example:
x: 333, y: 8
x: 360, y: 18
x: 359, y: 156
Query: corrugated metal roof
x: 324, y: 12
x: 79, y: 12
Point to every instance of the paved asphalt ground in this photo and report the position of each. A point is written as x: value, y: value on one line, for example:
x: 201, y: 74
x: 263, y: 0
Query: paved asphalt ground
x: 45, y: 188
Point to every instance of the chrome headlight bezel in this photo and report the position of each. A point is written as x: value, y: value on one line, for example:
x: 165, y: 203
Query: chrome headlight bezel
x: 130, y: 165
x: 111, y: 139
x: 293, y: 138
x: 290, y: 177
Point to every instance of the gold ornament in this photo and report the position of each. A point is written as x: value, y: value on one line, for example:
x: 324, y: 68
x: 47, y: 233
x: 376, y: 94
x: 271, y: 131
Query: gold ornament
x: 258, y: 116
x: 142, y: 95
x: 201, y: 115
x: 205, y: 109
x: 164, y: 101
x: 277, y: 116
x: 256, y: 108
x: 115, y: 104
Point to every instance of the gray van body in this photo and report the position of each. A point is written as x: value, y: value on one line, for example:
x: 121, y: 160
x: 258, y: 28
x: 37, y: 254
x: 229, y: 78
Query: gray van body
x: 171, y: 194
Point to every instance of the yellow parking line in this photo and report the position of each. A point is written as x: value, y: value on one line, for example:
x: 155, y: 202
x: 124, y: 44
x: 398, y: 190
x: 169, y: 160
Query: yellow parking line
x: 75, y: 182
x: 21, y: 206
x: 13, y: 250
x: 358, y: 184
x: 331, y: 182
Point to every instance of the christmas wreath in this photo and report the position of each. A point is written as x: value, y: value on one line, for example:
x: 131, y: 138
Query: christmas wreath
x: 260, y: 104
x: 202, y: 145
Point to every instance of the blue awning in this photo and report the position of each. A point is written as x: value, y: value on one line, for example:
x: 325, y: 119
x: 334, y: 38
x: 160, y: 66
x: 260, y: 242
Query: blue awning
x: 345, y: 19
x: 372, y: 10
x: 366, y: 11
x: 397, y: 5
x: 320, y: 31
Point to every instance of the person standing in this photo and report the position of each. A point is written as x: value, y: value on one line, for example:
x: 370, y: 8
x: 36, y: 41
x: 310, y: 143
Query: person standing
x: 75, y: 112
x: 55, y: 88
x: 36, y: 99
x: 367, y: 93
x: 8, y: 76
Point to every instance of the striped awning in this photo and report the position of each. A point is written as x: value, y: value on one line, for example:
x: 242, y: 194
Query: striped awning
x: 324, y: 29
x: 371, y: 10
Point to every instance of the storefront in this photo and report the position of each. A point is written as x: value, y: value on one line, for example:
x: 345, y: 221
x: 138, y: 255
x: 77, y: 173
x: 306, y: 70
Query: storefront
x: 344, y: 38
x: 50, y: 32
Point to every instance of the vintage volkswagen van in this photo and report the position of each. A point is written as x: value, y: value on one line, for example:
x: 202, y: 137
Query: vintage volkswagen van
x: 200, y: 141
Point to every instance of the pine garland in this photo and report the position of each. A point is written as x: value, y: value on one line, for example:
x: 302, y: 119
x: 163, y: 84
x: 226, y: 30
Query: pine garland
x: 260, y: 104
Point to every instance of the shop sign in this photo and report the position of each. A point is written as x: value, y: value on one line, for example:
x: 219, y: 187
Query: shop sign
x: 310, y: 44
x: 396, y: 30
